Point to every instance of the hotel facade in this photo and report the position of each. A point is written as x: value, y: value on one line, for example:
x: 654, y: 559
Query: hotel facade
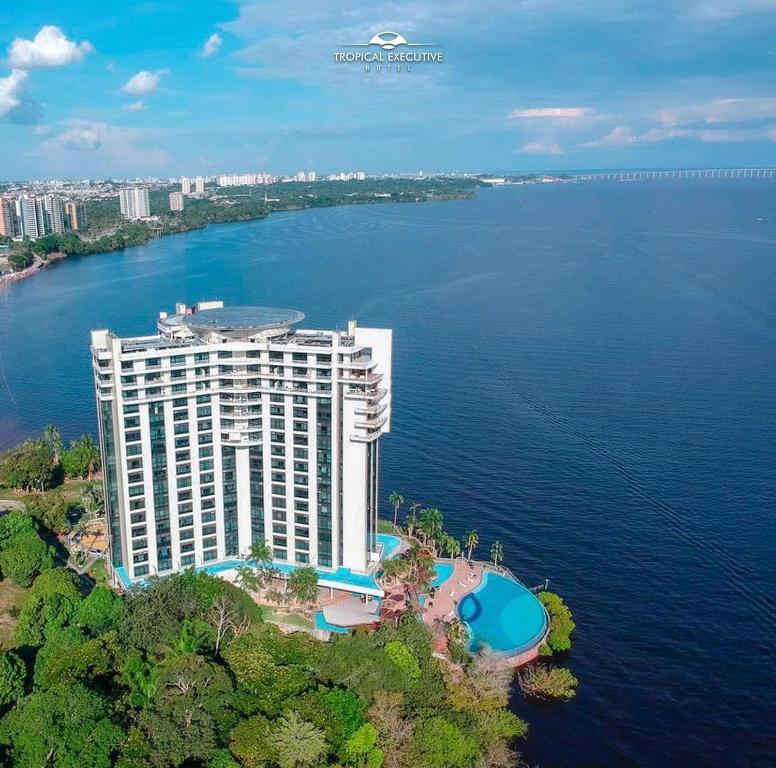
x: 229, y: 427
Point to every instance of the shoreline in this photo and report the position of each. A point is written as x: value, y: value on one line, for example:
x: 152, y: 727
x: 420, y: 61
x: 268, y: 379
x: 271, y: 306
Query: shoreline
x: 55, y: 257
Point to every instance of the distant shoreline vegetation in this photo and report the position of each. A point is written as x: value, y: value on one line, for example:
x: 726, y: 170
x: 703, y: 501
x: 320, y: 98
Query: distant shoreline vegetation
x: 107, y: 231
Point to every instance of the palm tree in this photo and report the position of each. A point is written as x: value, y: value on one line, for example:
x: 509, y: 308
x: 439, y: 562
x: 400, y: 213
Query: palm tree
x: 452, y: 546
x: 411, y: 522
x: 497, y: 553
x: 303, y: 585
x: 297, y: 742
x: 92, y: 453
x: 431, y: 523
x: 256, y: 577
x: 396, y: 499
x: 53, y: 441
x: 470, y: 542
x: 392, y: 569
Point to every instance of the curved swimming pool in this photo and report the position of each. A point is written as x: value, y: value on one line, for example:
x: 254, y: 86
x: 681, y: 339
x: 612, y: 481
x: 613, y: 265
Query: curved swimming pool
x: 503, y: 615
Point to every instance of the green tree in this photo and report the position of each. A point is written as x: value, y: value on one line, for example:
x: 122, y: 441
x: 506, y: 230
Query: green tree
x: 52, y: 510
x: 252, y: 742
x: 63, y: 727
x: 99, y: 612
x: 470, y: 542
x: 180, y: 726
x: 403, y: 658
x: 259, y: 572
x: 452, y: 546
x: 497, y: 553
x: 12, y: 676
x: 361, y: 748
x: 441, y: 744
x: 396, y: 500
x: 561, y: 622
x: 82, y: 458
x: 52, y: 439
x: 28, y: 467
x: 303, y: 586
x: 24, y: 556
x: 222, y: 759
x: 542, y: 681
x: 20, y: 260
x: 298, y: 743
x: 52, y: 601
x: 432, y: 525
x: 68, y: 655
x: 14, y: 522
x: 154, y: 615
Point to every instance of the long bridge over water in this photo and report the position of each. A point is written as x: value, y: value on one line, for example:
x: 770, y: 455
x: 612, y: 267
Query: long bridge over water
x: 698, y: 173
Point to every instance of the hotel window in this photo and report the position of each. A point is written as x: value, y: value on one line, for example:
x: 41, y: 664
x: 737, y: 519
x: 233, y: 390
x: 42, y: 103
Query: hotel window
x: 177, y: 359
x: 141, y: 570
x: 279, y: 554
x: 210, y: 554
x: 203, y: 399
x: 127, y: 365
x: 187, y: 560
x: 153, y: 362
x: 202, y: 357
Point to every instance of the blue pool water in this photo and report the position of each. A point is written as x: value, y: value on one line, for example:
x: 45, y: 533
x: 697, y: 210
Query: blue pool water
x: 443, y: 571
x: 321, y: 623
x: 503, y: 615
x: 391, y: 545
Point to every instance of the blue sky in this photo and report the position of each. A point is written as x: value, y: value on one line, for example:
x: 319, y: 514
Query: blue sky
x: 96, y: 89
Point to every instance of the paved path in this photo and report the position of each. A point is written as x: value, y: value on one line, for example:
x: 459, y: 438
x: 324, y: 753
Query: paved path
x: 465, y: 578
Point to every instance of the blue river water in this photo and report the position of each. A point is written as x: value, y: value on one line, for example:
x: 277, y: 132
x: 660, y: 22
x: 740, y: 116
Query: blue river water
x: 585, y: 372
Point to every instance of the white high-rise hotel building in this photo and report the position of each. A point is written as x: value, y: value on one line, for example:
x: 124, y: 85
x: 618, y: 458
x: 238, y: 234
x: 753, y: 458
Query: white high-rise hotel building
x: 229, y: 427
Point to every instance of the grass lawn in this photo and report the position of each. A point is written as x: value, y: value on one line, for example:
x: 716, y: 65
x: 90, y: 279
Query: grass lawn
x: 384, y: 526
x: 273, y: 615
x: 11, y: 599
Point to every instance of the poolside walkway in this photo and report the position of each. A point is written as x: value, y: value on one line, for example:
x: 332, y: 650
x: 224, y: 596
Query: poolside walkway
x: 464, y: 579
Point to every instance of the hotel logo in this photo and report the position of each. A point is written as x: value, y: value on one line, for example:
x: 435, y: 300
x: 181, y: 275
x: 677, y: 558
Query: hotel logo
x: 385, y: 52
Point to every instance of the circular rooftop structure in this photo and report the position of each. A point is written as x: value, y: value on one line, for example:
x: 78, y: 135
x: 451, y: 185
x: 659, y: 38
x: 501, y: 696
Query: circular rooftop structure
x: 225, y: 319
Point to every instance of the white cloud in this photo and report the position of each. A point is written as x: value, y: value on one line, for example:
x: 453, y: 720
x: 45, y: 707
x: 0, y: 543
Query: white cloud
x: 144, y: 82
x: 721, y: 111
x: 620, y: 136
x: 623, y: 136
x: 86, y: 147
x: 80, y: 138
x: 541, y: 148
x: 49, y: 48
x: 556, y: 113
x: 11, y: 89
x: 212, y: 44
x: 135, y: 106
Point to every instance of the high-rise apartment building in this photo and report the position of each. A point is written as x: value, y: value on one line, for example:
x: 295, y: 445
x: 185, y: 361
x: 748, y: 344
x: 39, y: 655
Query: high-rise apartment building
x: 8, y: 226
x: 31, y: 216
x: 134, y: 203
x: 186, y: 186
x: 75, y: 215
x: 176, y: 201
x: 199, y: 185
x: 55, y: 214
x: 228, y: 427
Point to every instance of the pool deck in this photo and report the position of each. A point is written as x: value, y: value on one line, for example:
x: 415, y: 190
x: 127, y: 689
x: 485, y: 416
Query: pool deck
x: 465, y: 578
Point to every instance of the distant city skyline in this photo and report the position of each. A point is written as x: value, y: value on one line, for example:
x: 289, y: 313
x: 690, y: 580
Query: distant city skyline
x: 255, y: 87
